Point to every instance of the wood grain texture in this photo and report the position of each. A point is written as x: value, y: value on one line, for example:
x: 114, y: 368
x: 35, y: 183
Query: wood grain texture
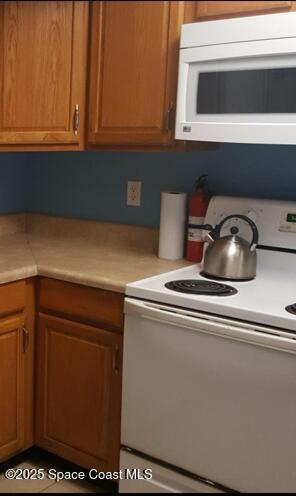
x: 190, y: 11
x: 12, y: 387
x: 78, y: 302
x: 12, y: 297
x: 221, y: 9
x: 43, y: 66
x: 133, y: 71
x: 78, y: 393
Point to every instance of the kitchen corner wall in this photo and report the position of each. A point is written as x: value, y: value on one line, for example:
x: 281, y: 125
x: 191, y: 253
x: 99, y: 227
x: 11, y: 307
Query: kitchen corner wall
x: 93, y: 184
x: 12, y: 182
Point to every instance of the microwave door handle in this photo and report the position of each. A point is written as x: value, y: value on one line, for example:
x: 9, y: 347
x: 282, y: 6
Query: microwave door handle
x: 207, y: 326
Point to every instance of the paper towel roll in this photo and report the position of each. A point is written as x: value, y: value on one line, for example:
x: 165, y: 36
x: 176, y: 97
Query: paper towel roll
x: 172, y: 225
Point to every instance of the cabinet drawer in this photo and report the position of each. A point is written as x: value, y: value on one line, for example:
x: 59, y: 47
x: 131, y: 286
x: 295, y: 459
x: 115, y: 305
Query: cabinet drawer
x: 81, y: 302
x: 12, y: 297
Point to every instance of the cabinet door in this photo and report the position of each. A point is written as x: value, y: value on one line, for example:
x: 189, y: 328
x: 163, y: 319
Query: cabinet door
x: 13, y: 344
x: 42, y: 71
x: 133, y: 72
x: 227, y: 9
x: 79, y: 392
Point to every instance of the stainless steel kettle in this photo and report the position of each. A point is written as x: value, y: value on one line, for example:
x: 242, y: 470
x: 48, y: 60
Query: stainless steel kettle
x: 230, y: 257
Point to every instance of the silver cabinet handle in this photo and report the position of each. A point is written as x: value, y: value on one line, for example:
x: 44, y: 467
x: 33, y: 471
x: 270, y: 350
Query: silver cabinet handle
x: 76, y: 119
x: 168, y: 120
x: 26, y: 339
x: 114, y: 358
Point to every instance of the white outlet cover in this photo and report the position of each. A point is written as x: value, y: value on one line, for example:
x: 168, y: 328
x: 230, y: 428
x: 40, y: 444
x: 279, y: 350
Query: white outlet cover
x: 134, y: 193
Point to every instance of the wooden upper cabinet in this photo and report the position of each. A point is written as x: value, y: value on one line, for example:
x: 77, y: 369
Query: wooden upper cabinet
x: 221, y: 9
x: 42, y: 71
x: 133, y: 72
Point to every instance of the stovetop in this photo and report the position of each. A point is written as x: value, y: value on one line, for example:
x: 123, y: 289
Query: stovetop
x: 261, y: 300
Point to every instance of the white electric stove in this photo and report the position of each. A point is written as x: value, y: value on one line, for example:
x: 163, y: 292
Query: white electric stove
x: 262, y: 300
x: 209, y: 382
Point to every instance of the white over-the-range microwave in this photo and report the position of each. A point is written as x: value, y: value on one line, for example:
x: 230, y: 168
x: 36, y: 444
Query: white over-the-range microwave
x: 237, y: 80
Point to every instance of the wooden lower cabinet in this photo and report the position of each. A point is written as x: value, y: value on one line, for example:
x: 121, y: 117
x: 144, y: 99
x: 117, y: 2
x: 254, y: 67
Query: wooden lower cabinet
x: 78, y: 371
x: 16, y: 368
x: 12, y: 387
x: 78, y: 392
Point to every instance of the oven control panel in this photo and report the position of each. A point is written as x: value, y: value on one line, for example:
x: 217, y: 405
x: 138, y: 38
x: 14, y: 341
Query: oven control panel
x: 275, y: 219
x: 288, y: 222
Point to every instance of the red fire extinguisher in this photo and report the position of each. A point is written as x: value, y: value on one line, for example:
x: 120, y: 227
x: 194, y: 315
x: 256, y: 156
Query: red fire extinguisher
x: 197, y: 207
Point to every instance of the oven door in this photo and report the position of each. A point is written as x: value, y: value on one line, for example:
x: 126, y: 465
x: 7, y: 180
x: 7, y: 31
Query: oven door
x: 238, y: 92
x: 212, y: 397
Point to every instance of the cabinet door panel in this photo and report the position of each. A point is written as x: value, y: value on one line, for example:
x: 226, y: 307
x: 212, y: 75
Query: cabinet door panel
x: 42, y: 58
x: 225, y: 9
x: 134, y: 49
x: 78, y: 411
x: 11, y: 387
x: 147, y: 26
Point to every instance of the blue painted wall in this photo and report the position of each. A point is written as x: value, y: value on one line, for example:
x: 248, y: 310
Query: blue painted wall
x: 12, y: 182
x: 93, y: 184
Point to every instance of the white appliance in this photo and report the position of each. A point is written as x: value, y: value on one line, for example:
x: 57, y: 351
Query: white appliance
x: 209, y: 382
x: 236, y: 80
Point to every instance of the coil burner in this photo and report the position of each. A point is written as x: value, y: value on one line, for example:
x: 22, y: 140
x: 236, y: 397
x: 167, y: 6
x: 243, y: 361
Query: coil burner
x: 198, y: 287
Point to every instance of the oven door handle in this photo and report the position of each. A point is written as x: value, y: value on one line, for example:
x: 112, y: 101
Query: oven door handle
x: 178, y: 318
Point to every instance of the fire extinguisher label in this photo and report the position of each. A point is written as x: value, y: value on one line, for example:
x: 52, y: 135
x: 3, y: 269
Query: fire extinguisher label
x: 193, y: 233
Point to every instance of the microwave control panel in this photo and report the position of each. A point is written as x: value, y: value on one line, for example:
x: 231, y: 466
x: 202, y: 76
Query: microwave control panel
x: 288, y: 222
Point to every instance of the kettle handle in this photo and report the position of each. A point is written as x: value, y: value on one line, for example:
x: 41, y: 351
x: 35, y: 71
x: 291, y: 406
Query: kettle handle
x: 252, y: 225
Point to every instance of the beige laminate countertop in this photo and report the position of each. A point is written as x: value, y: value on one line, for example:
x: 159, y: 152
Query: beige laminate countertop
x: 16, y: 258
x: 101, y: 255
